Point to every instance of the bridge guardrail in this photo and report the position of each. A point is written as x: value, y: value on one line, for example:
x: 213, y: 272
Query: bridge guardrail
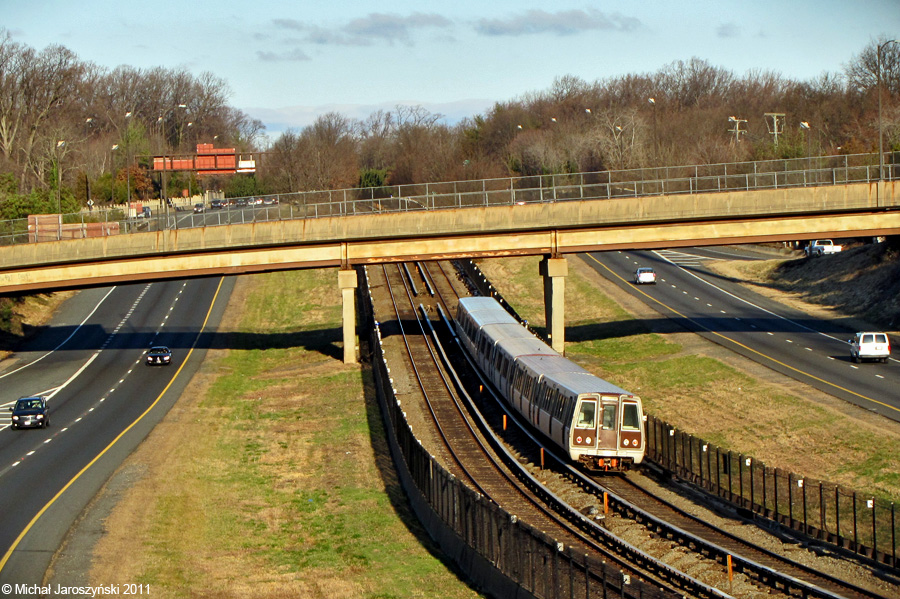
x: 669, y: 180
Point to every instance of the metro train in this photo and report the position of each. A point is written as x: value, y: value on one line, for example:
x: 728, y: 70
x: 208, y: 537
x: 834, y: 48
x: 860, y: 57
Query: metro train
x: 597, y: 423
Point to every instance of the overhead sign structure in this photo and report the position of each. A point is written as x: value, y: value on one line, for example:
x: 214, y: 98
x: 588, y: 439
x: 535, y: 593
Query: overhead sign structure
x: 207, y: 161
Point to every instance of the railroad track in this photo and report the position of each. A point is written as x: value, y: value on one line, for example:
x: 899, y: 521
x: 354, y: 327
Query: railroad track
x: 473, y: 455
x: 669, y: 527
x: 770, y: 573
x: 746, y: 556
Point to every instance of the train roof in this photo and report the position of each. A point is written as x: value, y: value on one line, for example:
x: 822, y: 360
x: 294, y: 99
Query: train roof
x: 585, y: 382
x: 570, y: 375
x: 502, y: 331
x: 550, y: 364
x: 485, y: 310
x: 516, y: 347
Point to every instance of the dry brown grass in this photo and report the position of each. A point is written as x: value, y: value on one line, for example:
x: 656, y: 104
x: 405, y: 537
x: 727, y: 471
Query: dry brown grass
x: 285, y: 490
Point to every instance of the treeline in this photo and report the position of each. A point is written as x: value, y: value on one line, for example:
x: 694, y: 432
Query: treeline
x: 70, y: 130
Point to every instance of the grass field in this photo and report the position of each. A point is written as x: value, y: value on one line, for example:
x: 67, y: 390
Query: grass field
x: 271, y: 477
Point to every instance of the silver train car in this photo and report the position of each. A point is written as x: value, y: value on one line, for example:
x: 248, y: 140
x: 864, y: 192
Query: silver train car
x: 597, y: 423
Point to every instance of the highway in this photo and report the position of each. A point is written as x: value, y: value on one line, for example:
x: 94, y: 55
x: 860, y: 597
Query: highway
x: 104, y: 401
x: 807, y: 349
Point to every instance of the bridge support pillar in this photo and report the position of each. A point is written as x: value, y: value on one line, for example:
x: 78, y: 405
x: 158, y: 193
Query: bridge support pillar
x: 347, y: 283
x: 554, y: 271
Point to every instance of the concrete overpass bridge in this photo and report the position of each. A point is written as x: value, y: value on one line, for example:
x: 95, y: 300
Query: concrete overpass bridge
x: 786, y: 200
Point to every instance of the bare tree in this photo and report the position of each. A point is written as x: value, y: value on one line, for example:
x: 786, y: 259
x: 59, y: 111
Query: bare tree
x: 862, y: 70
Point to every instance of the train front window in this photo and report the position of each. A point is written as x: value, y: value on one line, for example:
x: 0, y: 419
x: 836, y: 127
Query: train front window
x: 609, y: 416
x: 631, y: 418
x: 587, y: 415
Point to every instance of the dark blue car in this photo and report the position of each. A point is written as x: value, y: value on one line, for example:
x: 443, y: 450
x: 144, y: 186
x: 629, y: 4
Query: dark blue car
x: 30, y: 412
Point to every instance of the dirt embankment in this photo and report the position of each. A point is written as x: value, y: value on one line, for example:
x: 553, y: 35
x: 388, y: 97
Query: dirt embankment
x: 861, y: 282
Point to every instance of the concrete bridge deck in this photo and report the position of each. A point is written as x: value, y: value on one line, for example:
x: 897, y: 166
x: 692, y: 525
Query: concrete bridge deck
x: 551, y: 228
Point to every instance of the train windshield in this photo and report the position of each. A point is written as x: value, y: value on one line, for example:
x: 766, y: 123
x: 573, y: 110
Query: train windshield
x: 587, y: 415
x: 631, y: 417
x: 609, y: 416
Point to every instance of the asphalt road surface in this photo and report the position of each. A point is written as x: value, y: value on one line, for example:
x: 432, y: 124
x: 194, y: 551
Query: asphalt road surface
x: 808, y: 349
x: 104, y: 400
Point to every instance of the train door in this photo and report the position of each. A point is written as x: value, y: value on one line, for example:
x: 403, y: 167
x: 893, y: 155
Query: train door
x: 632, y: 437
x: 608, y: 434
x: 584, y: 435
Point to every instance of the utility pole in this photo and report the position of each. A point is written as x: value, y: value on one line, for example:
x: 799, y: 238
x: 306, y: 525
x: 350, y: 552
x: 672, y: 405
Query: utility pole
x: 777, y: 126
x: 737, y: 127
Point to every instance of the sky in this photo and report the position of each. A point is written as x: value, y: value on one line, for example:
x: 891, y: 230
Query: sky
x: 287, y: 63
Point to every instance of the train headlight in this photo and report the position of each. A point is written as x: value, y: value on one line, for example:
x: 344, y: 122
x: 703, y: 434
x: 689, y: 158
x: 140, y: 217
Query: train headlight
x: 625, y: 442
x: 588, y: 440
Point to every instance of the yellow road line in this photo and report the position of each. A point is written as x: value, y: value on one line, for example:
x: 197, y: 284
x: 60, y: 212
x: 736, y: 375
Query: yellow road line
x: 37, y: 516
x: 749, y: 349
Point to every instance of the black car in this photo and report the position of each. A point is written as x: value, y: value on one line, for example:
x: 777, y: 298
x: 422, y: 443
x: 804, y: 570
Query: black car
x: 217, y: 204
x: 159, y: 354
x: 30, y: 412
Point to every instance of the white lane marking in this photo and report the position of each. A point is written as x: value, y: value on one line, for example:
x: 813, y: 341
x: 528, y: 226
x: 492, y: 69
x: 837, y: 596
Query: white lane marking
x: 74, y: 376
x: 749, y: 303
x: 66, y: 340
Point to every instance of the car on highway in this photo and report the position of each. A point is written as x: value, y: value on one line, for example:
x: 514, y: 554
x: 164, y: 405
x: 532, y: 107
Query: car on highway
x: 159, y: 354
x: 270, y: 201
x: 870, y: 346
x: 217, y: 204
x: 30, y: 412
x: 645, y: 276
x: 240, y: 202
x: 199, y: 207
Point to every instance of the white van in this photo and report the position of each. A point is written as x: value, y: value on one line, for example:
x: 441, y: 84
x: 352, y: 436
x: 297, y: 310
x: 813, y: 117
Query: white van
x: 870, y: 346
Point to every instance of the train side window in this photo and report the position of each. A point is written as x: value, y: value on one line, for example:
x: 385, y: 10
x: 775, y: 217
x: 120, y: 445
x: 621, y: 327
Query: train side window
x: 561, y: 408
x: 556, y: 408
x: 609, y: 416
x: 587, y: 414
x: 631, y: 418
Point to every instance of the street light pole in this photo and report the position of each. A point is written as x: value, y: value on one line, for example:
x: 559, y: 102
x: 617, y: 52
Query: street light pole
x: 59, y: 144
x: 112, y: 166
x: 805, y: 125
x: 880, y: 134
x: 127, y: 167
x: 652, y: 102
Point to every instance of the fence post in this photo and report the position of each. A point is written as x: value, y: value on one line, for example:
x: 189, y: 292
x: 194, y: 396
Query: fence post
x: 805, y: 525
x: 790, y: 500
x: 874, y: 531
x: 750, y: 460
x: 822, y: 521
x: 855, y: 532
x: 893, y: 537
x: 730, y: 479
x: 837, y: 514
x: 775, y: 488
x: 690, y: 465
x: 718, y: 486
